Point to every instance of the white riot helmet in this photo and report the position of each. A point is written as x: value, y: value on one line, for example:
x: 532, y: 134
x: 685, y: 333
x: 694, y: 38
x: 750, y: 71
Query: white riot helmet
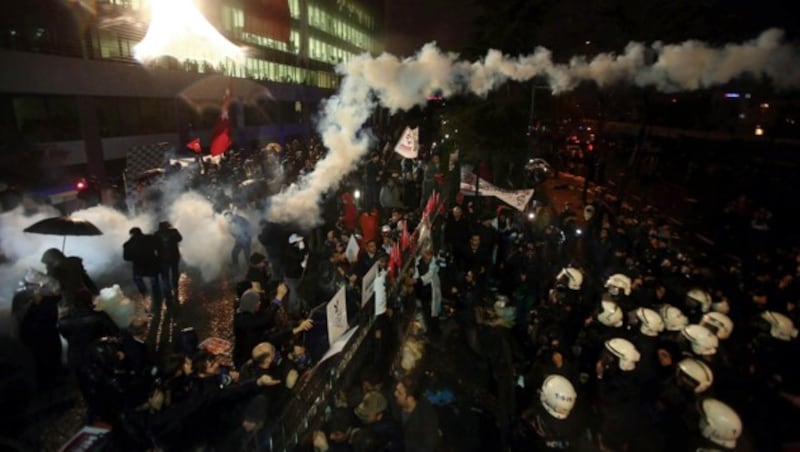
x: 625, y: 351
x: 718, y: 323
x: 611, y: 315
x: 572, y: 276
x: 588, y: 212
x: 650, y: 323
x: 696, y: 374
x: 557, y: 396
x: 719, y: 423
x: 618, y: 283
x: 780, y: 326
x: 674, y: 320
x: 721, y: 306
x: 703, y: 341
x: 699, y: 297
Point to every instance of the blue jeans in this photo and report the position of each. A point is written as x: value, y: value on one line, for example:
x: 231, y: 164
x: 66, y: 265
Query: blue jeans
x: 239, y: 247
x: 170, y: 274
x: 156, y: 295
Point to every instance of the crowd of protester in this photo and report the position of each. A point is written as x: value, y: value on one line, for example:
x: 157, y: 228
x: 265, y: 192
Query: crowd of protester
x: 585, y: 329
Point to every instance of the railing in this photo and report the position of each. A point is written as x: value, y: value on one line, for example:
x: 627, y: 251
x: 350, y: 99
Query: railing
x: 313, y: 400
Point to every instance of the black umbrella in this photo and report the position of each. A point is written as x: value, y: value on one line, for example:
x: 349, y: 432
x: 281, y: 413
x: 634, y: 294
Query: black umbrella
x: 148, y: 174
x: 63, y: 226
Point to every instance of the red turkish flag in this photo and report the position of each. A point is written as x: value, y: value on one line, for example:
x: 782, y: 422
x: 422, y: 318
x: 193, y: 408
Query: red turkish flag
x: 194, y: 145
x: 395, y: 262
x: 221, y: 137
x: 405, y: 240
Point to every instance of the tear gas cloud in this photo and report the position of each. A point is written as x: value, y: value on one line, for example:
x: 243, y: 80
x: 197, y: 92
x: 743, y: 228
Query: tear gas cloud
x: 206, y: 244
x: 396, y: 84
x: 400, y: 84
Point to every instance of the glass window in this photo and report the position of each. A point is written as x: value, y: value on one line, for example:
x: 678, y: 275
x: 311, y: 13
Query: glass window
x: 294, y: 8
x: 47, y: 118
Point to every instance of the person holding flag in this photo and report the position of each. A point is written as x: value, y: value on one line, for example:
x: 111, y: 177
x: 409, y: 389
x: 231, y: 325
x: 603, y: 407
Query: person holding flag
x: 221, y: 137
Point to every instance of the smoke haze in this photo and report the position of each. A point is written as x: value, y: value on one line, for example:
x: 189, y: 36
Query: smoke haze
x: 400, y: 85
x: 397, y: 85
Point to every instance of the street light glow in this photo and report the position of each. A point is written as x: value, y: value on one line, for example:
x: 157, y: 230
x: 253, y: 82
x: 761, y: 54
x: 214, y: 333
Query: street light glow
x: 178, y: 29
x: 759, y: 131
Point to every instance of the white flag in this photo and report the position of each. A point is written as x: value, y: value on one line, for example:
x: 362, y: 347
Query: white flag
x: 337, y: 315
x: 368, y: 284
x: 351, y: 252
x: 408, y: 145
x: 380, y: 293
x: 516, y: 198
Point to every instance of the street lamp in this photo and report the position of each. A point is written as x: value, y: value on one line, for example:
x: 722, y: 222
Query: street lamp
x: 759, y: 131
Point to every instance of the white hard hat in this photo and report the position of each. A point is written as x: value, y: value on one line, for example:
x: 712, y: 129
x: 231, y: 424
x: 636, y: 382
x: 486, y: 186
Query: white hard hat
x: 557, y: 396
x: 719, y: 324
x: 674, y: 320
x: 572, y: 276
x: 294, y: 238
x: 721, y: 306
x: 719, y: 423
x: 618, y: 282
x: 625, y: 351
x: 695, y: 373
x: 701, y: 297
x: 650, y: 323
x: 703, y: 341
x: 611, y: 315
x: 781, y: 327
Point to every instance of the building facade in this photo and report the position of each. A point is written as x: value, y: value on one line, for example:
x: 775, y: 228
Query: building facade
x: 73, y: 95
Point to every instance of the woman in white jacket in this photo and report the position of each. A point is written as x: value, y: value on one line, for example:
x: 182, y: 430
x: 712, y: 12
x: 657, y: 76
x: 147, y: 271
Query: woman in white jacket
x: 429, y: 287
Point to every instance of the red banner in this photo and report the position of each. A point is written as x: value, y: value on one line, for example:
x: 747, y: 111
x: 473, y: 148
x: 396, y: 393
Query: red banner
x: 270, y: 18
x: 221, y: 136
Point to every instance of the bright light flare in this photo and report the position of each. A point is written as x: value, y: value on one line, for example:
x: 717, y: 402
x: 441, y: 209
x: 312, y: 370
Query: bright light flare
x: 178, y: 29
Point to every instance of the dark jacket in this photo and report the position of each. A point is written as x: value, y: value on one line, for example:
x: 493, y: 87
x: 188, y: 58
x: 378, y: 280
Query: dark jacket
x: 293, y: 262
x: 248, y: 330
x: 421, y: 428
x: 69, y: 273
x: 81, y: 327
x: 142, y: 251
x: 385, y: 435
x: 168, y: 239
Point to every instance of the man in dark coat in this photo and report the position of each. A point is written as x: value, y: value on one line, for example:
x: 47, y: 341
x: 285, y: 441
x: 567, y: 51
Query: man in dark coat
x: 142, y: 251
x: 170, y: 256
x: 274, y: 238
x: 70, y: 274
x: 294, y: 265
x: 420, y: 421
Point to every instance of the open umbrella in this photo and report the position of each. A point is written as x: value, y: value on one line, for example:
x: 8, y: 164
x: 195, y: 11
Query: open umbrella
x: 148, y: 175
x: 208, y: 91
x: 63, y: 226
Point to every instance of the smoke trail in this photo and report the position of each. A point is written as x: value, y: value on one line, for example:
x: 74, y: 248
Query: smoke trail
x: 206, y: 242
x: 402, y: 84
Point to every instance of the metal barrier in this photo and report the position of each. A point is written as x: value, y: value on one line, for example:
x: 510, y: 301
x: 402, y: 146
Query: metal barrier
x: 313, y: 400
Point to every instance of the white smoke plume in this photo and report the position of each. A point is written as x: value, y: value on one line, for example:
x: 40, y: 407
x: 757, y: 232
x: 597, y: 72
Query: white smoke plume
x: 399, y: 85
x: 206, y: 243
